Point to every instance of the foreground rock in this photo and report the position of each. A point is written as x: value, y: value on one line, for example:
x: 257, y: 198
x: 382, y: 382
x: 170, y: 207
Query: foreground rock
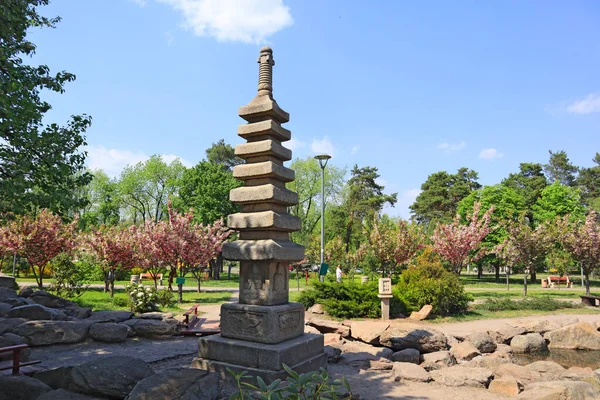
x: 110, y: 316
x: 368, y: 331
x: 112, y: 377
x: 327, y: 326
x: 37, y: 312
x: 507, y: 385
x: 508, y: 332
x: 150, y: 328
x: 109, y: 332
x: 579, y: 336
x: 463, y: 376
x: 8, y: 324
x: 464, y: 351
x: 177, y: 384
x: 412, y: 336
x: 10, y: 339
x: 407, y: 356
x: 530, y: 343
x: 61, y: 394
x: 21, y: 388
x: 524, y: 374
x: 437, y: 360
x: 41, y: 333
x: 410, y: 372
x: 364, y: 356
x: 422, y: 314
x: 560, y: 390
x: 482, y: 341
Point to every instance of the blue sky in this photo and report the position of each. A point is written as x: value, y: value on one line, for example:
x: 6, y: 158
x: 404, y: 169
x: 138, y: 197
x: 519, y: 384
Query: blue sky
x: 409, y: 87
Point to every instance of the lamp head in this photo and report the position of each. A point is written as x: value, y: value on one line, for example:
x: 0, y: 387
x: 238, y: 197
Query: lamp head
x: 323, y: 158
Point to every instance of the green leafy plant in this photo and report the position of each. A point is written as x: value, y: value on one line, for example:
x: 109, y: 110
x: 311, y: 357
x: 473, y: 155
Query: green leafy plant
x: 312, y: 385
x: 530, y: 303
x: 165, y: 298
x: 141, y: 298
x: 428, y: 282
x: 344, y: 300
x: 70, y: 278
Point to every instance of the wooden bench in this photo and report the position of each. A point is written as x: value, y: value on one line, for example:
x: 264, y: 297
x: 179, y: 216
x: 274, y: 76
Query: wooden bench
x: 593, y: 301
x: 193, y: 324
x: 559, y: 280
x: 148, y: 276
x: 16, y: 363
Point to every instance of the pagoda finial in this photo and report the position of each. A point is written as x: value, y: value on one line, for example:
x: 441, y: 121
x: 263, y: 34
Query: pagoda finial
x: 265, y: 71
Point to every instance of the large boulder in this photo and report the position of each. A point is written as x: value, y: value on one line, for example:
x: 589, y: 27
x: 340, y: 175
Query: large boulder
x: 507, y: 332
x: 463, y: 376
x: 20, y: 387
x: 542, y: 326
x: 368, y: 331
x: 464, y: 351
x: 8, y: 324
x: 17, y: 301
x: 578, y: 374
x: 364, y: 356
x: 4, y: 309
x: 49, y: 300
x: 507, y: 385
x: 41, y: 333
x: 524, y: 374
x: 413, y: 336
x: 8, y: 282
x: 7, y: 293
x: 549, y: 370
x: 177, y: 384
x: 422, y: 314
x: 150, y: 328
x: 407, y: 356
x: 327, y: 326
x: 37, y: 312
x: 109, y: 332
x: 560, y: 390
x: 311, y: 329
x: 529, y: 343
x: 333, y: 353
x: 10, y: 339
x: 437, y: 360
x: 579, y: 336
x: 409, y: 372
x: 359, y: 347
x: 482, y: 341
x: 62, y: 394
x: 110, y: 316
x: 488, y: 362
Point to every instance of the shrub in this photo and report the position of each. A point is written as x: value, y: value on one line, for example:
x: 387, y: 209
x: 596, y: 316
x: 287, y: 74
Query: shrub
x: 344, y: 300
x: 531, y: 303
x: 428, y: 282
x: 70, y: 278
x: 141, y: 298
x: 312, y: 385
x: 165, y: 298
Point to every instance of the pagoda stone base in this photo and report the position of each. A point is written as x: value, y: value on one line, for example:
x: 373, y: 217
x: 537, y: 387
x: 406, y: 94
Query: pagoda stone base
x: 264, y: 324
x: 302, y: 354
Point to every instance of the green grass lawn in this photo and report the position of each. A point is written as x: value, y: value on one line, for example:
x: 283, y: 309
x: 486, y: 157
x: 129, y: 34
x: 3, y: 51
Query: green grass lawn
x: 97, y: 300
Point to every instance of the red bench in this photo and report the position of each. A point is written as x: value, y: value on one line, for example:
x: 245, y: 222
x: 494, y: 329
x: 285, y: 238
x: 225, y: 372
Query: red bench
x: 16, y: 363
x: 559, y: 280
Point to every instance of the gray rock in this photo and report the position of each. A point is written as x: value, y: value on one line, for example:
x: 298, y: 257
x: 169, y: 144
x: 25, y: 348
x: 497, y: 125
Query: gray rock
x: 110, y: 316
x: 17, y: 301
x: 317, y: 309
x: 160, y: 316
x: 360, y: 347
x: 57, y: 378
x: 407, y: 356
x: 109, y: 332
x: 8, y: 282
x: 149, y: 328
x: 549, y: 370
x: 488, y: 362
x: 7, y: 293
x: 4, y: 309
x: 20, y: 387
x: 40, y: 333
x: 437, y: 360
x: 463, y: 376
x: 529, y: 343
x: 507, y: 332
x: 524, y: 374
x: 364, y: 356
x: 482, y: 341
x: 327, y: 326
x: 10, y: 339
x: 577, y: 374
x: 464, y: 351
x: 49, y: 300
x: 61, y: 394
x: 368, y: 331
x: 560, y: 390
x: 333, y: 353
x: 37, y: 312
x: 26, y: 291
x: 579, y: 336
x: 311, y: 329
x: 8, y: 324
x: 410, y: 372
x: 413, y: 336
x: 177, y: 384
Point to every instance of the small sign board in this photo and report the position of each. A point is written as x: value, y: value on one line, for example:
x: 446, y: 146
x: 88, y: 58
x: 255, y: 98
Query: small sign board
x: 323, y: 270
x: 180, y: 281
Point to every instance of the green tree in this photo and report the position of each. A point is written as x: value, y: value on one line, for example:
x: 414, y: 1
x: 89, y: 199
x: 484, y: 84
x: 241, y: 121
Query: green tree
x: 146, y: 187
x: 41, y: 165
x: 308, y: 186
x: 103, y: 206
x: 558, y: 200
x: 205, y: 189
x: 528, y: 182
x: 560, y: 168
x: 588, y: 182
x: 223, y: 154
x: 440, y: 195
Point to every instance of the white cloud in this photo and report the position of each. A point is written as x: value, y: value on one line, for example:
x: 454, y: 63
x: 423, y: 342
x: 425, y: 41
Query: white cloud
x: 451, y: 147
x: 169, y: 38
x: 590, y: 104
x: 112, y: 161
x: 354, y: 150
x: 247, y: 21
x: 322, y: 146
x: 294, y: 144
x: 141, y: 3
x: 490, y: 154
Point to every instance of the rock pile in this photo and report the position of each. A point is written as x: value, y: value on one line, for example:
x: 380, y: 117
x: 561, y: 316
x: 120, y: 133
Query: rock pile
x: 38, y: 318
x: 414, y: 352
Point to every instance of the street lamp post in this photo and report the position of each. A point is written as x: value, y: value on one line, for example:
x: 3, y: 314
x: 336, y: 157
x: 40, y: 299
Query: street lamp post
x: 323, y: 158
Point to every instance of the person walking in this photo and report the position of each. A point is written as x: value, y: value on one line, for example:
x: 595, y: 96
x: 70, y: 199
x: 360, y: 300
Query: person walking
x: 338, y: 274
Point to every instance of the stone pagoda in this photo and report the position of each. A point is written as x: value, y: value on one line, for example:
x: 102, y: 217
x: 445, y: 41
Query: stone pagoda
x: 264, y: 330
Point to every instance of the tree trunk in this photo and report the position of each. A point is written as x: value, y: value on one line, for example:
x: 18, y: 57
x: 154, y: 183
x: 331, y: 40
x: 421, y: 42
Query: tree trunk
x: 479, y: 270
x: 38, y: 279
x: 199, y: 280
x: 587, y: 284
x: 172, y: 275
x: 112, y: 286
x: 497, y: 268
x: 533, y: 276
x: 507, y: 278
x: 525, y: 285
x: 180, y: 292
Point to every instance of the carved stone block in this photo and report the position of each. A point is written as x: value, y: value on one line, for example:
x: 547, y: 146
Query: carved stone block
x: 262, y: 324
x: 264, y: 282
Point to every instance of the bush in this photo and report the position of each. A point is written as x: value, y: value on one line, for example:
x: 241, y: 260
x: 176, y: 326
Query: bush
x: 529, y: 303
x: 428, y: 282
x: 165, y: 298
x: 141, y: 298
x: 70, y: 278
x: 344, y: 300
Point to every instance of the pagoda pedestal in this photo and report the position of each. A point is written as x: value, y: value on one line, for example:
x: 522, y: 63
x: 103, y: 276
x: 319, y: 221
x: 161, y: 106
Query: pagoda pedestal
x: 264, y: 330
